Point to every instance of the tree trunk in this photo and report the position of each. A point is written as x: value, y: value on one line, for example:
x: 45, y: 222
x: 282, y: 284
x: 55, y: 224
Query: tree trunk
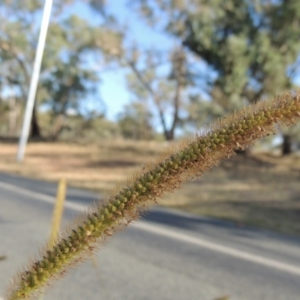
x: 58, y: 126
x: 35, y: 128
x: 13, y: 114
x: 180, y: 77
x: 169, y: 135
x: 286, y: 145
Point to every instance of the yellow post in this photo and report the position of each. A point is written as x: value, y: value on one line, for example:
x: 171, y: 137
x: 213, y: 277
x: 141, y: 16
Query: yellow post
x: 58, y: 210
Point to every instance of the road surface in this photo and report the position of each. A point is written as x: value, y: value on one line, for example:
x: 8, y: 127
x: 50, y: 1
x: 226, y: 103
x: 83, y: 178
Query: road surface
x: 166, y: 255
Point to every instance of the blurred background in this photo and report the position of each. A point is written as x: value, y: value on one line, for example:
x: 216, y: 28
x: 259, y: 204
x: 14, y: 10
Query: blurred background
x: 120, y: 80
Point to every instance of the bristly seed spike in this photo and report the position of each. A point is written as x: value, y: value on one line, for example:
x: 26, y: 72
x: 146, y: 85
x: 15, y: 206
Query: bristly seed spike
x: 185, y: 161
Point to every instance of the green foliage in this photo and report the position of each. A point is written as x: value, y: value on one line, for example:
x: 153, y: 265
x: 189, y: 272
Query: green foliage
x: 157, y: 77
x: 75, y: 127
x: 69, y: 73
x: 161, y: 80
x: 135, y: 122
x: 250, y: 48
x: 185, y: 161
x: 243, y: 42
x: 247, y: 44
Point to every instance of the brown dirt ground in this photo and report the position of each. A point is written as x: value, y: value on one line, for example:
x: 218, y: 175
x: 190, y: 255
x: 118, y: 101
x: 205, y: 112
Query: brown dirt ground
x: 260, y: 190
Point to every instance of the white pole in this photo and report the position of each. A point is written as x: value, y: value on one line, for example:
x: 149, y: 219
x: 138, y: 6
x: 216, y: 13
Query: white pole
x: 34, y: 80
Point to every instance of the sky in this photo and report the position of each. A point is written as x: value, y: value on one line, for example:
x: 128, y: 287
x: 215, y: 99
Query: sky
x: 113, y: 88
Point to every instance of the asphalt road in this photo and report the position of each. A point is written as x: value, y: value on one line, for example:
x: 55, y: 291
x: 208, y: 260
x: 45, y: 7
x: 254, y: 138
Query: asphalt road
x: 166, y: 255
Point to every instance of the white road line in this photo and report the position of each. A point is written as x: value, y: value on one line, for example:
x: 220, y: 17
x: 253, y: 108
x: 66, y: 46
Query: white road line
x: 171, y: 233
x: 39, y: 196
x: 164, y: 231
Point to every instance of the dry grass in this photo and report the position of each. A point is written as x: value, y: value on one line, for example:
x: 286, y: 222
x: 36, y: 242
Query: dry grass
x: 260, y: 190
x: 95, y: 167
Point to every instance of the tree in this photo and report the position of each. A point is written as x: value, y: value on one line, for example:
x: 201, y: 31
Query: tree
x: 71, y: 60
x: 162, y: 83
x: 135, y: 122
x: 159, y: 78
x: 250, y: 47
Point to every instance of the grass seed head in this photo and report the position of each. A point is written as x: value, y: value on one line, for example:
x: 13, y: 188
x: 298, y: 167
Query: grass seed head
x: 186, y: 160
